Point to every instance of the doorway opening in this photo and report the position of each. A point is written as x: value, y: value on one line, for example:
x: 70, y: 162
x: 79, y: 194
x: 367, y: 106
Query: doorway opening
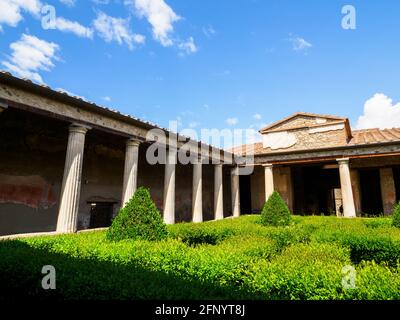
x: 101, y: 214
x: 371, y: 196
x: 316, y: 189
x: 245, y: 194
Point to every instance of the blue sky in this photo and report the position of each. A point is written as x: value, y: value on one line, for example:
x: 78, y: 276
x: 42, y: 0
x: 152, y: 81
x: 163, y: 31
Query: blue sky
x: 214, y: 63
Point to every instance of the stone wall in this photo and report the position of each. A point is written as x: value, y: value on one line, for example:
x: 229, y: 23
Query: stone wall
x: 257, y: 189
x: 304, y: 139
x: 283, y: 184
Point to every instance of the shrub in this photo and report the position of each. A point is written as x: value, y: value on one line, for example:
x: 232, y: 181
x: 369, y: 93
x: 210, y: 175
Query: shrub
x: 396, y: 216
x: 139, y: 219
x: 275, y: 211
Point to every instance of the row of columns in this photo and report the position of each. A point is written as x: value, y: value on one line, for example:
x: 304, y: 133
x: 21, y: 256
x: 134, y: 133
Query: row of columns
x: 70, y: 192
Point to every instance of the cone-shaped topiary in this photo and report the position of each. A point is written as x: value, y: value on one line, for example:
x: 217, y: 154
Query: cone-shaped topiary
x: 396, y: 216
x: 275, y: 211
x: 139, y: 219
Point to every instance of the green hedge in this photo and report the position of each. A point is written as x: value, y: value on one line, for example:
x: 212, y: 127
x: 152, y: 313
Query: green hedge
x: 275, y: 211
x: 396, y: 216
x: 138, y: 219
x: 229, y: 259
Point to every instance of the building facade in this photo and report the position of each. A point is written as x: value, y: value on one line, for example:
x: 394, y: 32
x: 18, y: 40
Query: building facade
x: 67, y: 165
x: 320, y: 165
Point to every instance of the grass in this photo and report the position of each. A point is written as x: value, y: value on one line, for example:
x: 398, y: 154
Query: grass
x: 228, y: 259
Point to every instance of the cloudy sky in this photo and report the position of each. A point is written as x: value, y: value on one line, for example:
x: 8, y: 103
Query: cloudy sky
x: 211, y: 63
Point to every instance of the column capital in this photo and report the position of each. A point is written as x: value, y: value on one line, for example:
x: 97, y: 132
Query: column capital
x: 343, y: 160
x: 267, y: 165
x: 131, y: 142
x: 79, y: 128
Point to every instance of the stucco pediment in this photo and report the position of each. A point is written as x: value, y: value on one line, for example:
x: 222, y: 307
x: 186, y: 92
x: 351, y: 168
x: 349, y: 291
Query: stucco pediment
x: 279, y: 140
x: 301, y: 120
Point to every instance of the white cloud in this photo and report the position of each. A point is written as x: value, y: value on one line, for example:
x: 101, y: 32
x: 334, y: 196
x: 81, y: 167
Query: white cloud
x: 257, y: 116
x: 380, y: 112
x: 188, y: 46
x: 31, y: 55
x: 69, y: 3
x: 159, y: 15
x: 106, y: 98
x: 232, y: 121
x: 10, y: 10
x: 208, y: 31
x: 116, y: 29
x: 65, y: 25
x: 300, y: 44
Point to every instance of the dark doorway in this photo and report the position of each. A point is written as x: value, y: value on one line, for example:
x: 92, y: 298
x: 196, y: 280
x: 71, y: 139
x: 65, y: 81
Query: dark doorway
x: 371, y: 197
x: 101, y: 214
x: 314, y: 189
x: 245, y: 194
x: 396, y: 175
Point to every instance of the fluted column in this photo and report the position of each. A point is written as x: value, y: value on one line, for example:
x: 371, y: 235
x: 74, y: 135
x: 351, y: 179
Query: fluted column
x: 218, y: 193
x: 268, y: 180
x: 349, y: 210
x: 169, y: 187
x: 130, y: 171
x: 197, y: 199
x: 235, y: 192
x: 71, y: 185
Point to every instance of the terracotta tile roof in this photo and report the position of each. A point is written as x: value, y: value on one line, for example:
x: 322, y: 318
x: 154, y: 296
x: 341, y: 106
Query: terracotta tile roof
x: 359, y: 138
x: 367, y: 136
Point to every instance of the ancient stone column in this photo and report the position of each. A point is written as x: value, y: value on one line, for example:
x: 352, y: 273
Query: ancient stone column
x: 130, y: 171
x: 349, y: 210
x: 218, y: 193
x: 269, y: 180
x: 197, y: 199
x: 71, y: 185
x: 388, y: 190
x: 169, y: 187
x: 235, y: 192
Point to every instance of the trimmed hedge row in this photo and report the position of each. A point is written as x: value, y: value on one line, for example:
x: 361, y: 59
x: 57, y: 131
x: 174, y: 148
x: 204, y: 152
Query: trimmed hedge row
x: 229, y: 259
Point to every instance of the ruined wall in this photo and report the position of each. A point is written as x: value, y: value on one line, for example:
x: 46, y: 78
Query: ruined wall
x: 388, y: 190
x: 32, y: 154
x: 283, y: 184
x: 355, y: 184
x: 258, y: 189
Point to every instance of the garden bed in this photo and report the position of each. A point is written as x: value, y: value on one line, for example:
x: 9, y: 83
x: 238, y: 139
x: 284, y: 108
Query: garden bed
x: 229, y: 259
